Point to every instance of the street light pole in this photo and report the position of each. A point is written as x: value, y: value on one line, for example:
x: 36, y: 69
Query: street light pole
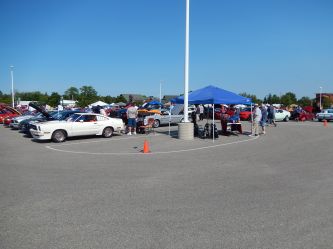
x: 12, y: 76
x: 187, y: 56
x: 321, y: 88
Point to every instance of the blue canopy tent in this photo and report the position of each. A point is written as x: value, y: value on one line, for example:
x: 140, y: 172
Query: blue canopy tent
x: 154, y: 102
x: 214, y: 95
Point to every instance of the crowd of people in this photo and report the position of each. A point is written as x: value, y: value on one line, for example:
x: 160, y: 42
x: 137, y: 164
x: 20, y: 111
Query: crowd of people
x: 262, y: 116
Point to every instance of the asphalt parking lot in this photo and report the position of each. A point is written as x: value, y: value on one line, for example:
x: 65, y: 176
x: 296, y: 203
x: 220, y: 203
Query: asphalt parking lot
x: 275, y: 191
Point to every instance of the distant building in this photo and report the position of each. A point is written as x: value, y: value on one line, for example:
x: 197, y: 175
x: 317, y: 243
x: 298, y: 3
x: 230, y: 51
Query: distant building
x: 68, y: 103
x: 328, y: 96
x: 133, y: 97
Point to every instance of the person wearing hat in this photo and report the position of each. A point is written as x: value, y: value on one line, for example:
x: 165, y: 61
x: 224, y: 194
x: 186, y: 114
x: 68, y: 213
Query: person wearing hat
x: 256, y: 119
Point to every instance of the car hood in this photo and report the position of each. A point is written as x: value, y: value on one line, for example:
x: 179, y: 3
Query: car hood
x: 20, y: 118
x: 46, y: 114
x: 52, y: 122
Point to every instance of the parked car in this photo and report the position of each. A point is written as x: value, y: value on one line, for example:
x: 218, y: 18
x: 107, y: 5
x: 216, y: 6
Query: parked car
x: 162, y: 119
x: 26, y: 125
x: 245, y: 114
x: 15, y: 122
x: 7, y: 121
x: 326, y: 114
x: 282, y: 115
x: 79, y: 124
x: 7, y: 111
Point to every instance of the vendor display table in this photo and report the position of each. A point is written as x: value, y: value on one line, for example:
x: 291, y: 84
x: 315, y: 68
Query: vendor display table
x: 235, y: 127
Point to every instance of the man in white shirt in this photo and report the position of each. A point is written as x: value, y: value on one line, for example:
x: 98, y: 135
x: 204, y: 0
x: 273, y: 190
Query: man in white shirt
x: 256, y: 120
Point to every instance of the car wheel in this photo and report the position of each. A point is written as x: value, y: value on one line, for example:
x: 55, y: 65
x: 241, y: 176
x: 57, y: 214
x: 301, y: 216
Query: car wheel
x: 286, y: 119
x: 320, y: 120
x: 59, y: 136
x: 156, y: 123
x: 107, y: 132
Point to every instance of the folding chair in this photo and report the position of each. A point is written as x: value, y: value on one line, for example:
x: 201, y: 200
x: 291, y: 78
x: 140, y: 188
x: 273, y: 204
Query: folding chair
x: 149, y: 126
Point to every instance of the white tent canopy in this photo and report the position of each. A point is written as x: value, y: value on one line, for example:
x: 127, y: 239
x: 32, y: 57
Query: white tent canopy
x: 99, y: 103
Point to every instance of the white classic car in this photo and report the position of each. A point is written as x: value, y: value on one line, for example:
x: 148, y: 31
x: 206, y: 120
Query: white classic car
x: 282, y: 115
x: 79, y: 124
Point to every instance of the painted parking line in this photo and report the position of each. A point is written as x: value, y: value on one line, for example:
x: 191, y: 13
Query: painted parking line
x: 104, y: 140
x: 151, y: 153
x: 310, y: 124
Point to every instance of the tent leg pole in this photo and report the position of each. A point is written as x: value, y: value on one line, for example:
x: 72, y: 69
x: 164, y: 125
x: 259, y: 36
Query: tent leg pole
x: 213, y: 127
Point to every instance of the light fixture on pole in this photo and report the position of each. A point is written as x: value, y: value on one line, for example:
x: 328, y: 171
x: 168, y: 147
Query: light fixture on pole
x: 12, y: 76
x: 321, y: 89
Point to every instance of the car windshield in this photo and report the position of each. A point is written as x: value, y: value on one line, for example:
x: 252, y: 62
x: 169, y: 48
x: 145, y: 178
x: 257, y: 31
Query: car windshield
x: 60, y: 115
x: 73, y: 117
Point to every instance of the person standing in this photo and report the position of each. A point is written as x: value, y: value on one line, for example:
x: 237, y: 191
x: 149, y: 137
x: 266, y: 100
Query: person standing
x: 256, y: 119
x: 197, y: 112
x: 201, y: 111
x: 273, y: 115
x: 102, y: 111
x: 132, y: 114
x: 263, y: 118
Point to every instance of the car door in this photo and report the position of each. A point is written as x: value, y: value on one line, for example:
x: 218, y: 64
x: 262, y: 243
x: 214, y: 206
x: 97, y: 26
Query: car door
x: 279, y: 115
x: 85, y: 125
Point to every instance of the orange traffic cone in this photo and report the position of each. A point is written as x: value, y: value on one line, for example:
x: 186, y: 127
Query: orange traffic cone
x: 325, y: 122
x: 146, y: 147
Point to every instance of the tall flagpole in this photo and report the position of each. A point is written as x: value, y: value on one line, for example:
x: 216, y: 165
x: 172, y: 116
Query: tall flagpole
x: 187, y: 56
x: 12, y: 76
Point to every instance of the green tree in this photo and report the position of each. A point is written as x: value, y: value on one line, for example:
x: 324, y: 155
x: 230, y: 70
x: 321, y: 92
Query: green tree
x: 272, y: 99
x: 304, y: 101
x: 32, y: 96
x: 54, y: 99
x: 87, y: 96
x: 108, y: 99
x: 5, y: 98
x: 252, y: 96
x: 72, y: 93
x: 288, y: 99
x: 120, y: 98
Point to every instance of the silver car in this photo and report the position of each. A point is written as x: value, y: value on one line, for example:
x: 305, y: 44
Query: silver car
x: 326, y: 114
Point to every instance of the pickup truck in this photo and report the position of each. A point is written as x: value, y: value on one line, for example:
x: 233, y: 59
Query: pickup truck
x: 326, y: 114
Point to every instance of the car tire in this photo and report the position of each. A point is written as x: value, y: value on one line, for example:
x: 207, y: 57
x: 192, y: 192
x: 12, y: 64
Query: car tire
x: 286, y: 119
x: 59, y: 136
x: 320, y: 120
x: 107, y: 132
x: 156, y: 123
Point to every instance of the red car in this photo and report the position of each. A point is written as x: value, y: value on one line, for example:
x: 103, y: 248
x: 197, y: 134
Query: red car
x: 7, y: 111
x: 245, y: 114
x: 304, y: 116
x: 6, y: 121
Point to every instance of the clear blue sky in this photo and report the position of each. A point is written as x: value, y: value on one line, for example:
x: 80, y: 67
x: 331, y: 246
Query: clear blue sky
x: 129, y: 46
